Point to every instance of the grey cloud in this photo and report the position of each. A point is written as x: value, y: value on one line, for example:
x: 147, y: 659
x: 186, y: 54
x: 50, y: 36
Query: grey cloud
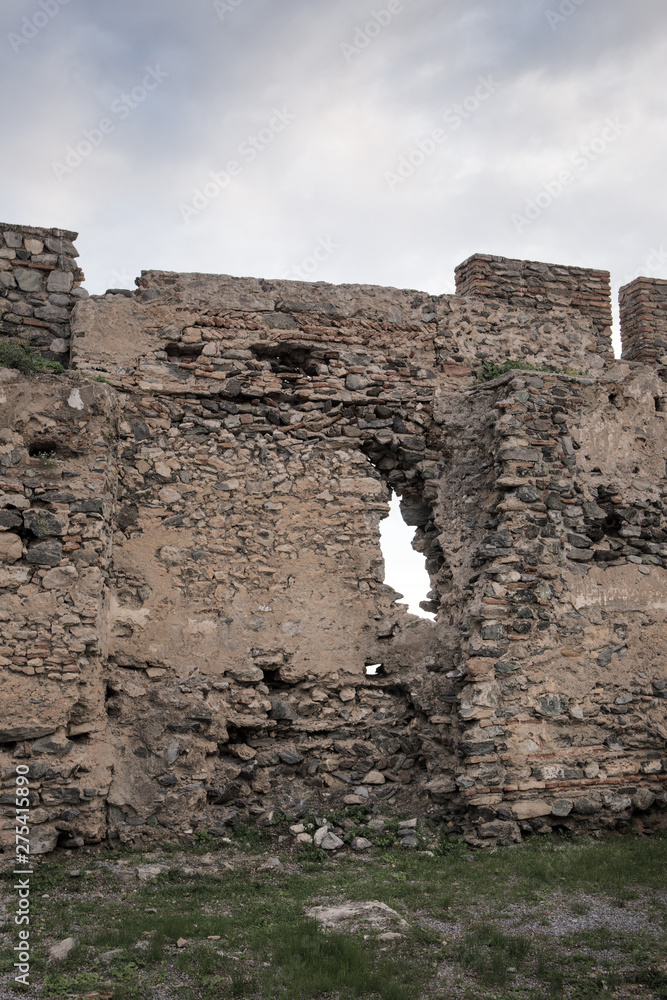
x: 357, y: 113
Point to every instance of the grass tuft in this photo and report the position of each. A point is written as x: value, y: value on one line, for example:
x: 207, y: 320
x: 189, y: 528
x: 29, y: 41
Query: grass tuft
x: 14, y: 354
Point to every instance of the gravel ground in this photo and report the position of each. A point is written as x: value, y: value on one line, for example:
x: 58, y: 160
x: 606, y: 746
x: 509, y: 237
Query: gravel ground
x: 556, y: 919
x: 552, y: 918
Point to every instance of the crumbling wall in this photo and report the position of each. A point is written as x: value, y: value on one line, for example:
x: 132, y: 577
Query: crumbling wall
x: 214, y: 590
x: 541, y: 287
x: 644, y: 319
x: 57, y: 455
x: 39, y: 286
x: 566, y: 675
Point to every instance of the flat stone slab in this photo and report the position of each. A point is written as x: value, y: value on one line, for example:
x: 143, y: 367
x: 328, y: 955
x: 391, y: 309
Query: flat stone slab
x: 350, y: 917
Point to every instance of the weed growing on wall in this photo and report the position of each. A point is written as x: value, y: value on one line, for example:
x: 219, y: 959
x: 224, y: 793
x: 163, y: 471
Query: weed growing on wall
x: 24, y: 359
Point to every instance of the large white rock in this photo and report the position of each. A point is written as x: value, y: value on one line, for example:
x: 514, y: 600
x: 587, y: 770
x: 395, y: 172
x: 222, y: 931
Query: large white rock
x: 531, y: 809
x: 43, y: 841
x: 63, y: 949
x: 355, y: 916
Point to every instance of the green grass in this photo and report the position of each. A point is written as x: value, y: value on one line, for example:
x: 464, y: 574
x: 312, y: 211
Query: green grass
x: 21, y: 357
x: 491, y: 953
x: 247, y: 934
x: 249, y: 837
x: 308, y: 963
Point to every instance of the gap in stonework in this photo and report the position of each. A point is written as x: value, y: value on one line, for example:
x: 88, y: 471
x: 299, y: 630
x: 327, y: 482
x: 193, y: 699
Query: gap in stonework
x: 405, y: 568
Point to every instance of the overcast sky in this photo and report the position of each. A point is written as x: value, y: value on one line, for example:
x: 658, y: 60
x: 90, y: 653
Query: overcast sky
x: 344, y: 141
x: 315, y: 104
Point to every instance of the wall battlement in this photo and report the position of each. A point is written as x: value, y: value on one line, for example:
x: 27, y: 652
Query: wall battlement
x: 644, y: 320
x: 542, y: 287
x: 191, y: 580
x: 39, y: 286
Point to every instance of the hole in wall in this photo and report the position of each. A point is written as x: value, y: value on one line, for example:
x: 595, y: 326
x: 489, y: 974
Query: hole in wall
x: 375, y: 670
x: 273, y: 680
x: 175, y: 351
x: 405, y: 568
x: 660, y: 404
x: 45, y: 449
x: 83, y: 738
x: 288, y: 359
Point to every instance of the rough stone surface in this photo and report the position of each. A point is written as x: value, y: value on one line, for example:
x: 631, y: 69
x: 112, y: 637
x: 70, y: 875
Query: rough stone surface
x: 360, y: 844
x: 38, y: 289
x: 59, y: 952
x: 352, y: 917
x: 191, y: 586
x: 330, y: 842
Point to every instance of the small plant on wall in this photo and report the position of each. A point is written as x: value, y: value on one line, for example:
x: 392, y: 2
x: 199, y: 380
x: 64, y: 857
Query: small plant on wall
x: 24, y: 359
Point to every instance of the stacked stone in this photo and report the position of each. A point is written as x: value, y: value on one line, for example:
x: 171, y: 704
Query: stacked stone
x: 57, y: 481
x: 541, y: 287
x: 552, y: 521
x: 304, y: 398
x: 39, y: 286
x: 262, y: 425
x: 234, y: 464
x: 644, y: 320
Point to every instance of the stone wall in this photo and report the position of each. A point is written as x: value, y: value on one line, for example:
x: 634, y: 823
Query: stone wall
x: 644, y: 320
x: 541, y: 287
x: 39, y: 285
x: 192, y: 586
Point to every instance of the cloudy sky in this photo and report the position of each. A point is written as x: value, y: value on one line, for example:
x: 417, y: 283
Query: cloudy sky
x: 345, y: 141
x: 394, y: 137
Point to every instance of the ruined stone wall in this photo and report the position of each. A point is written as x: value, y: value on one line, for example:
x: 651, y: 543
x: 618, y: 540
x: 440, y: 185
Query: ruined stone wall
x: 192, y: 588
x: 56, y: 503
x: 39, y: 285
x: 541, y: 287
x: 644, y: 320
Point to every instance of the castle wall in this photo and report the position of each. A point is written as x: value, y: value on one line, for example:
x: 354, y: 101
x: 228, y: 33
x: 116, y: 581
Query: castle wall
x: 644, y: 319
x: 39, y: 285
x: 196, y: 647
x: 541, y: 287
x: 57, y: 483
